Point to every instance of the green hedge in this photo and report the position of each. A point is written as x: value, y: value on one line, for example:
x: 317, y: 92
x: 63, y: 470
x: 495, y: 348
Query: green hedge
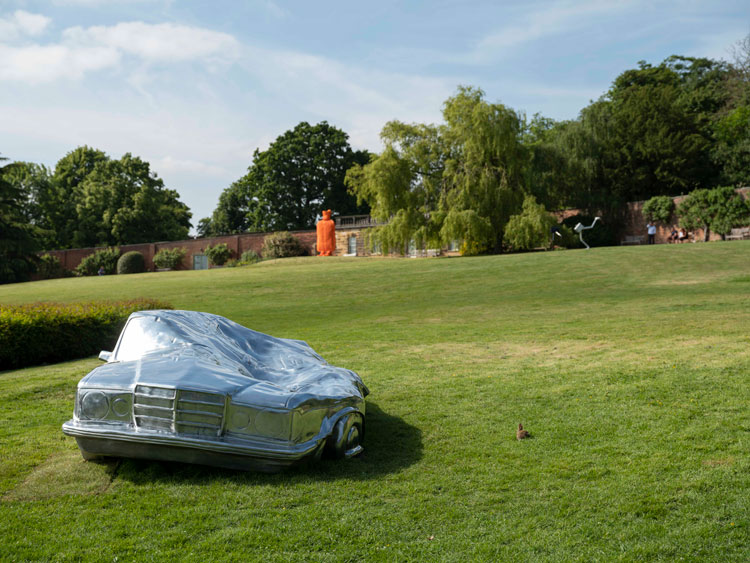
x: 169, y: 258
x: 131, y: 262
x: 40, y: 333
x: 106, y: 258
x: 219, y: 254
x: 282, y: 244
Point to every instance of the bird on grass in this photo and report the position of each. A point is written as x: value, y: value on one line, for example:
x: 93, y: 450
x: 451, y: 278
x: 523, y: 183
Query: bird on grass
x: 521, y: 433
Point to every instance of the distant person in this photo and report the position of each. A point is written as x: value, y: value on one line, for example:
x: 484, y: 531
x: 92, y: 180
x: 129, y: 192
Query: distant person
x: 673, y: 235
x: 651, y: 233
x: 682, y: 235
x: 101, y: 270
x: 554, y: 231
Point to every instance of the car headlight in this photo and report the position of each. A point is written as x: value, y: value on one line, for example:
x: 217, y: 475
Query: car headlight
x: 103, y: 404
x: 253, y: 421
x: 94, y: 405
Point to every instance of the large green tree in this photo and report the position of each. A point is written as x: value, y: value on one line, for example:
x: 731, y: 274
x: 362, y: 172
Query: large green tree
x: 651, y: 134
x: 60, y: 204
x: 655, y: 145
x: 91, y: 199
x: 484, y: 170
x: 18, y: 238
x: 732, y: 147
x: 124, y: 202
x: 732, y: 124
x: 34, y: 182
x: 459, y: 180
x: 404, y: 185
x: 288, y: 185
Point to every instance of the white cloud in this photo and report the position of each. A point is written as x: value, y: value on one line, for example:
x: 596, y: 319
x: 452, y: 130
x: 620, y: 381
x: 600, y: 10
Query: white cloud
x: 545, y: 21
x: 100, y: 2
x: 84, y: 50
x: 718, y: 46
x: 171, y: 165
x: 45, y: 63
x: 359, y: 101
x: 165, y: 42
x: 22, y: 23
x: 275, y: 10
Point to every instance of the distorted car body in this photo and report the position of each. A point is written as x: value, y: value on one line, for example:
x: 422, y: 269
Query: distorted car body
x: 194, y: 387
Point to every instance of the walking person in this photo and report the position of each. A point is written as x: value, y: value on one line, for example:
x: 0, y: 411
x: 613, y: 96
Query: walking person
x: 651, y: 232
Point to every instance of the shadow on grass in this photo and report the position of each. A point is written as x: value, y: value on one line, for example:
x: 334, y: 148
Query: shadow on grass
x: 391, y: 445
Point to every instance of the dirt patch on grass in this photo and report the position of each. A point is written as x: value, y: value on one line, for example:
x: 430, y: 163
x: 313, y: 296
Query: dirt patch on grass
x: 646, y: 354
x: 720, y: 462
x: 480, y: 353
x: 663, y: 283
x: 65, y: 473
x: 390, y: 319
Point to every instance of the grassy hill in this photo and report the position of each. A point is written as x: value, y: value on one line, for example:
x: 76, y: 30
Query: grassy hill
x: 630, y: 366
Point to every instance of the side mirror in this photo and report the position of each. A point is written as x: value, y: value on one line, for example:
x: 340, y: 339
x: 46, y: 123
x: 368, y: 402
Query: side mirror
x: 105, y: 356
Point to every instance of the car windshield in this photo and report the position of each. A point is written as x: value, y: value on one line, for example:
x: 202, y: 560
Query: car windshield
x: 143, y: 335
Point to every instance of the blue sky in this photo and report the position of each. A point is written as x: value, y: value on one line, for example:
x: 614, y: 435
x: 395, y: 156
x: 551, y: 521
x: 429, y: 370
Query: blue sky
x: 195, y: 87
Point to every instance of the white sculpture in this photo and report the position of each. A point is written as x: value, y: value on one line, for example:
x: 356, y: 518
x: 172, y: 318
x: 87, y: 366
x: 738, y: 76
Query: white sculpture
x: 579, y: 228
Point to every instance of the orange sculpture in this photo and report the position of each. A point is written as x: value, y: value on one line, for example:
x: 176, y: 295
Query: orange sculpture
x: 326, y: 229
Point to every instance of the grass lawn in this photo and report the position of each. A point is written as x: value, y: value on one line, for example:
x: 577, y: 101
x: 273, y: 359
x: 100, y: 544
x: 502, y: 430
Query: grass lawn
x: 630, y: 366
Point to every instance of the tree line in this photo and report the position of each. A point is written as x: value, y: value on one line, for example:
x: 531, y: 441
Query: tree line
x: 89, y: 199
x: 288, y: 185
x: 665, y: 129
x: 660, y: 130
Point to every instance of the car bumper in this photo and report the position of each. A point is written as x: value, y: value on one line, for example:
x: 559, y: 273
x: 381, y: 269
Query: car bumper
x: 97, y: 440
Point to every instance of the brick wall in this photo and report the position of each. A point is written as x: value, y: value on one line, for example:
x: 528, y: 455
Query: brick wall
x: 238, y: 244
x: 634, y: 224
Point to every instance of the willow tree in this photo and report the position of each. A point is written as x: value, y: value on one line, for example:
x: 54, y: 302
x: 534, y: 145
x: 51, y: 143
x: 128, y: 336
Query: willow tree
x: 437, y: 183
x: 404, y: 185
x: 484, y: 170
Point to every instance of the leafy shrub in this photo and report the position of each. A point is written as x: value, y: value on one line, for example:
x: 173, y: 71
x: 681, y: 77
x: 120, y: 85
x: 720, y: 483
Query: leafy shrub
x: 658, y: 208
x: 531, y: 228
x: 219, y: 254
x: 169, y: 258
x: 106, y: 258
x: 473, y: 248
x: 53, y: 332
x: 49, y: 267
x: 131, y: 263
x: 719, y: 209
x: 249, y: 257
x: 568, y: 237
x: 282, y: 244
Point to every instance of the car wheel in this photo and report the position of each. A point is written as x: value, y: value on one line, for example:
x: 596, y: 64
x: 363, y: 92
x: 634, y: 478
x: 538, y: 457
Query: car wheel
x: 346, y: 439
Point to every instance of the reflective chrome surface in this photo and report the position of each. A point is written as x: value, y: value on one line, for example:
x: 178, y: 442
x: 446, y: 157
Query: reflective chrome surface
x: 199, y: 388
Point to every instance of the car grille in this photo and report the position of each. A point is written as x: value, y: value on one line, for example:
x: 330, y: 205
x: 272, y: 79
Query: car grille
x: 177, y: 410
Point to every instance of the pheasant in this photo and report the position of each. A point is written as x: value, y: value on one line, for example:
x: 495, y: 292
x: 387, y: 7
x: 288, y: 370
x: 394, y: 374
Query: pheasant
x: 521, y: 433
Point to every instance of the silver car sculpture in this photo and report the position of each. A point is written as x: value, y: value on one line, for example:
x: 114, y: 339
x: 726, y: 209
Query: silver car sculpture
x: 198, y: 388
